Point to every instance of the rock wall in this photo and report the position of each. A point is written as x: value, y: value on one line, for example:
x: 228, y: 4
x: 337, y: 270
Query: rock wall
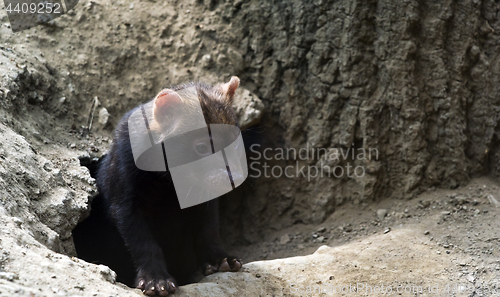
x: 416, y: 80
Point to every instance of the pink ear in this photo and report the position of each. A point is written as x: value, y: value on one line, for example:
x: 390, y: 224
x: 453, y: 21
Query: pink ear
x: 165, y: 102
x: 230, y: 87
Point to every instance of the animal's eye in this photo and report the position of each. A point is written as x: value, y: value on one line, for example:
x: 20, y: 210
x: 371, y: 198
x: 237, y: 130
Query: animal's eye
x: 201, y: 148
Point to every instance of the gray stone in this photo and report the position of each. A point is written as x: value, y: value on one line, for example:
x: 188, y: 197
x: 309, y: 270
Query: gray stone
x: 249, y: 108
x: 381, y: 213
x: 285, y: 239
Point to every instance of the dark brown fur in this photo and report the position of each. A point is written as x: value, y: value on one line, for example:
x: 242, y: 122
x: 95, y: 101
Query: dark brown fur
x: 168, y: 245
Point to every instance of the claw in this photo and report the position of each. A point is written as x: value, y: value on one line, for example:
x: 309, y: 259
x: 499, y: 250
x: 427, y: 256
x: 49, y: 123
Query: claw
x: 235, y: 265
x: 171, y: 287
x: 150, y: 292
x: 224, y: 266
x: 163, y: 291
x: 141, y: 285
x: 157, y: 287
x: 209, y: 269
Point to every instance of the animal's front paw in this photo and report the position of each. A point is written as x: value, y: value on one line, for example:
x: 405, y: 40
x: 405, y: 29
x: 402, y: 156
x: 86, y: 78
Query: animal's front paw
x: 224, y: 265
x: 161, y: 286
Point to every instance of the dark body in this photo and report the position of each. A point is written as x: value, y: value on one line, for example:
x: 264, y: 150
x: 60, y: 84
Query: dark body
x: 168, y: 245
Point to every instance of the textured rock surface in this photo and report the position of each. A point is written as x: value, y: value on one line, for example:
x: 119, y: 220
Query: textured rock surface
x: 249, y: 108
x: 34, y: 270
x: 416, y: 80
x: 43, y: 188
x: 46, y: 199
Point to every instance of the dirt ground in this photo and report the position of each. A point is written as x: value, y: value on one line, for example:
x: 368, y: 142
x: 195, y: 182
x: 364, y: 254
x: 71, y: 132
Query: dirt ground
x: 461, y: 225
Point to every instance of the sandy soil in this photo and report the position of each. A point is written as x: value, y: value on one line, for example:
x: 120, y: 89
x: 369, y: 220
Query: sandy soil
x: 461, y: 226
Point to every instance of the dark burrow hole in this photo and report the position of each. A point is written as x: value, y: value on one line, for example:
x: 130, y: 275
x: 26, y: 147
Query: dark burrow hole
x: 97, y: 240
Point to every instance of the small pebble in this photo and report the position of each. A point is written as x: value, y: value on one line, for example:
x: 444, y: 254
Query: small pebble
x: 8, y: 276
x: 381, y: 213
x: 284, y: 239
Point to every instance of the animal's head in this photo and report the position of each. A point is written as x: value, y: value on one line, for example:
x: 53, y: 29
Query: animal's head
x: 197, y: 129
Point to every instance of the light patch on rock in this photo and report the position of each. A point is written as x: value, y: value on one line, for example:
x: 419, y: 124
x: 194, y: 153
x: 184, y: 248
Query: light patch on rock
x: 103, y: 116
x: 285, y: 239
x: 248, y: 108
x: 381, y: 213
